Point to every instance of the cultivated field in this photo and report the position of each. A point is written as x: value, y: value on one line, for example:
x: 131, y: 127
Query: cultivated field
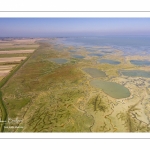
x: 11, y: 59
x: 5, y: 70
x: 17, y: 51
x: 5, y: 67
x: 13, y: 53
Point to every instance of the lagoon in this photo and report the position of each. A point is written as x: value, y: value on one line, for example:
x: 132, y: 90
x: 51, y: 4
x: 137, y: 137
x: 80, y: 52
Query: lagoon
x: 108, y: 61
x: 96, y: 54
x: 59, y: 60
x: 93, y: 72
x: 112, y: 89
x: 78, y: 56
x: 135, y: 73
x: 140, y: 62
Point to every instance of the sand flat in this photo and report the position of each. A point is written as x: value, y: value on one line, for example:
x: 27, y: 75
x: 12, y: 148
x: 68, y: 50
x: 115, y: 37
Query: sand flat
x: 11, y: 59
x: 17, y: 51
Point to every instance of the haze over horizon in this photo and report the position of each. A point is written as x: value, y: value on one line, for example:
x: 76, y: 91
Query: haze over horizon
x: 60, y: 27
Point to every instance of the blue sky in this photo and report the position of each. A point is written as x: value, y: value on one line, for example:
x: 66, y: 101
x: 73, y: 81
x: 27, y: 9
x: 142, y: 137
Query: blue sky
x: 54, y: 27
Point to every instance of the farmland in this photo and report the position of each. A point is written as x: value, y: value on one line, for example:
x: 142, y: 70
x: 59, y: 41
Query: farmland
x: 10, y: 62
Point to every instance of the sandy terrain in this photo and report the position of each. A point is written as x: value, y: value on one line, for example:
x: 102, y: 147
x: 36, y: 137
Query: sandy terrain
x: 17, y: 51
x: 12, y: 59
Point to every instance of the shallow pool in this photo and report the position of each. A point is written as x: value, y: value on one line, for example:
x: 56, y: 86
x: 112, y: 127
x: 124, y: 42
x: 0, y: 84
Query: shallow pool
x: 96, y: 54
x: 93, y: 72
x: 108, y: 61
x: 78, y: 56
x: 135, y: 73
x: 113, y: 89
x: 140, y: 62
x: 59, y: 60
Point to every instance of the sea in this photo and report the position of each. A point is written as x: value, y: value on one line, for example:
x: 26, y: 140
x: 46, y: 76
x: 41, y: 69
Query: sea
x: 129, y: 45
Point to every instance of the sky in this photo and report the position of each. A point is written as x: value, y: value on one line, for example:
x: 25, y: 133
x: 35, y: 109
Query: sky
x: 60, y: 27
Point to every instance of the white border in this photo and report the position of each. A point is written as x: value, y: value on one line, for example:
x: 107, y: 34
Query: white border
x: 81, y: 135
x: 49, y: 135
x: 74, y: 5
x: 75, y: 14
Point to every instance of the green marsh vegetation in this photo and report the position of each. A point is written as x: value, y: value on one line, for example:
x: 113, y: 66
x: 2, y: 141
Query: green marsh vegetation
x: 39, y: 88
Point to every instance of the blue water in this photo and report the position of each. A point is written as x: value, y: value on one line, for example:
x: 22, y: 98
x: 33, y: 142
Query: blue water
x: 136, y: 73
x: 93, y: 72
x: 128, y: 44
x: 113, y: 89
x: 140, y: 62
x: 96, y: 54
x: 59, y: 60
x: 108, y: 61
x: 78, y: 56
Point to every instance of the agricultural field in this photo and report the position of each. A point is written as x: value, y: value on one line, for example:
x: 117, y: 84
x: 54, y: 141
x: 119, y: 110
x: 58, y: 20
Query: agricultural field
x: 13, y: 53
x: 55, y: 88
x: 17, y: 51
